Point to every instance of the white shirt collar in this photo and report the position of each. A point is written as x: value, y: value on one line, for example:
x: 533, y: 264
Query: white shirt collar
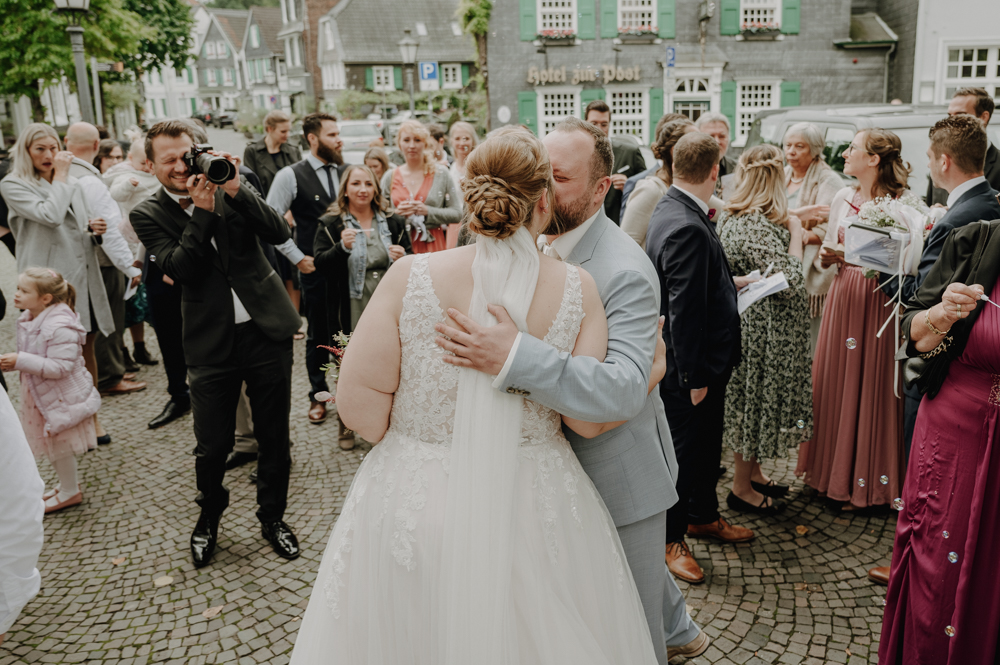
x: 701, y: 204
x: 957, y: 193
x: 567, y: 242
x: 177, y: 197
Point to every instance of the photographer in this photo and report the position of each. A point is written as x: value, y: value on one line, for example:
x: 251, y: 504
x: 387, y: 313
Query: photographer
x: 237, y: 323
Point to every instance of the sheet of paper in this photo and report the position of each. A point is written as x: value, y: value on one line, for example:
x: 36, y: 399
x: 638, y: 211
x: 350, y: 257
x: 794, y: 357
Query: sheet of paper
x: 130, y: 290
x: 759, y: 290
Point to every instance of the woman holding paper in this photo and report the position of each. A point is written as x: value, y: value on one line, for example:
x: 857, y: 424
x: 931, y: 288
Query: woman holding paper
x: 769, y: 399
x: 855, y: 457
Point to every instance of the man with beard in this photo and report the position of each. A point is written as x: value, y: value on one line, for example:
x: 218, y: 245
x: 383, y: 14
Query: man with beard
x: 307, y: 189
x: 633, y: 465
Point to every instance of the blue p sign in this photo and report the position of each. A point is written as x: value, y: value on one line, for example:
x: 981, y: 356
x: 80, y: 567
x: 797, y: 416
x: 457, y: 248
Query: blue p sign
x: 428, y: 71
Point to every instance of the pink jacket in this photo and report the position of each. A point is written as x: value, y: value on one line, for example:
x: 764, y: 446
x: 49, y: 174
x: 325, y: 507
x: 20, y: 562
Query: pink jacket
x: 50, y: 359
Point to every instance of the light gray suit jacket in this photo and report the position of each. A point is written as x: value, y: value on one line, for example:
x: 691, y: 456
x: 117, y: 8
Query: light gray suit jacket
x: 633, y: 466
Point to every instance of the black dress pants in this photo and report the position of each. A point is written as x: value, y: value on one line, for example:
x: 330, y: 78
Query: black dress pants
x: 165, y: 305
x: 266, y: 367
x: 697, y: 434
x: 313, y: 288
x: 108, y: 349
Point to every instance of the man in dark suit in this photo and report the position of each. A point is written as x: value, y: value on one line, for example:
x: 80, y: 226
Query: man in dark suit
x: 628, y: 158
x: 975, y: 102
x: 956, y: 157
x: 237, y: 325
x: 702, y: 334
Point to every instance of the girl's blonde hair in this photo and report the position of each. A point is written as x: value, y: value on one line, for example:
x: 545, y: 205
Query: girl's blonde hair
x: 760, y: 184
x: 418, y: 130
x: 48, y: 282
x: 341, y: 204
x: 467, y: 127
x: 22, y: 166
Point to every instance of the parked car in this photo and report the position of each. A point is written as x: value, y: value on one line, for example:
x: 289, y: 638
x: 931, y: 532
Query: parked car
x: 358, y: 134
x: 225, y: 117
x: 425, y: 117
x: 840, y: 123
x: 205, y: 116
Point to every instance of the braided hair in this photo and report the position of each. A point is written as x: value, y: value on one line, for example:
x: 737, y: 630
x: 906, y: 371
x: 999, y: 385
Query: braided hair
x: 760, y: 185
x: 893, y: 172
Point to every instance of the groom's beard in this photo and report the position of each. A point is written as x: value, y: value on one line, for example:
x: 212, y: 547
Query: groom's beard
x: 566, y: 217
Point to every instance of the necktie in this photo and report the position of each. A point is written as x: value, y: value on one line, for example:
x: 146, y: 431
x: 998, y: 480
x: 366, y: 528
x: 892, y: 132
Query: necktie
x: 185, y: 202
x: 329, y: 179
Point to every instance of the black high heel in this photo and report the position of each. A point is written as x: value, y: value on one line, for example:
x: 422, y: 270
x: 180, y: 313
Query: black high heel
x: 736, y: 503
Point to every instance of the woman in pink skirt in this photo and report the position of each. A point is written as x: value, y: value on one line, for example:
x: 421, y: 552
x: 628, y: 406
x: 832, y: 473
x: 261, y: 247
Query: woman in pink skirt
x: 855, y: 456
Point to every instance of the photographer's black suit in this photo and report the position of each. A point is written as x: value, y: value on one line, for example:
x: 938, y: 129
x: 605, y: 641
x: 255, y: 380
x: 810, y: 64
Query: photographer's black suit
x: 221, y: 354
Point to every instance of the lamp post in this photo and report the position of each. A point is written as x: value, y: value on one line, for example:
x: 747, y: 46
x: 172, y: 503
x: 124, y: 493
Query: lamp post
x: 74, y: 10
x: 408, y: 49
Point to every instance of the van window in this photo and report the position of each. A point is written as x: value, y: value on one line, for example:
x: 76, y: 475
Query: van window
x: 837, y: 139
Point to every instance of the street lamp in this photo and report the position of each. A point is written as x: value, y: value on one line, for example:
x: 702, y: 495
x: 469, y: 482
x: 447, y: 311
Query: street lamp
x: 74, y: 10
x: 408, y: 49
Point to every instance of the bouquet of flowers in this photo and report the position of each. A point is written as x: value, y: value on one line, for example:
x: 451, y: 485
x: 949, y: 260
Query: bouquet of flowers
x: 889, y: 235
x: 332, y: 368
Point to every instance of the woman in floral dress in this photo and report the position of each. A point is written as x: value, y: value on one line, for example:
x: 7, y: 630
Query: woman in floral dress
x: 769, y: 398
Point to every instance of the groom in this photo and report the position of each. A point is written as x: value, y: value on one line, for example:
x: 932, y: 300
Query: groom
x: 633, y: 466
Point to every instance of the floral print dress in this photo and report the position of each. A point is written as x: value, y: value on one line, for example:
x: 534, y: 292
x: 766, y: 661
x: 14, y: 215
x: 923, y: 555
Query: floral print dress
x: 769, y: 398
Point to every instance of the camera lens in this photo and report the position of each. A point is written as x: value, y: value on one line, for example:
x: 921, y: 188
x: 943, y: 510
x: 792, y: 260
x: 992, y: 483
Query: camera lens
x: 218, y: 170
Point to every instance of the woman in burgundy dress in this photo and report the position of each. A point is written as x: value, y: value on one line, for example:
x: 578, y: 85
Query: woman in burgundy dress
x: 943, y: 602
x: 856, y: 454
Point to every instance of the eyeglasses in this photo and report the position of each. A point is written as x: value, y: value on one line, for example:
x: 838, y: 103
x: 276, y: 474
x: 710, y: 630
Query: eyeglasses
x: 851, y: 148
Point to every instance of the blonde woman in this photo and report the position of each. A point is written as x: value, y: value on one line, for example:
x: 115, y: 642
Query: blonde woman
x: 811, y: 186
x: 769, y: 399
x: 463, y: 139
x: 377, y: 159
x: 421, y: 190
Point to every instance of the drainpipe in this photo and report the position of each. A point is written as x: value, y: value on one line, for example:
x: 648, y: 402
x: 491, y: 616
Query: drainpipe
x: 885, y: 76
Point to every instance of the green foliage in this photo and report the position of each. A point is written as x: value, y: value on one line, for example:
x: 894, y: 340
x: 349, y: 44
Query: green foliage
x: 242, y: 4
x: 474, y: 16
x: 120, y: 95
x: 469, y: 106
x: 168, y: 37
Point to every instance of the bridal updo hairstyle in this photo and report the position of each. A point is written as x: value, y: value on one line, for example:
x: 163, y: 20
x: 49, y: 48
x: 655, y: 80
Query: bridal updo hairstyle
x: 505, y: 177
x: 893, y: 172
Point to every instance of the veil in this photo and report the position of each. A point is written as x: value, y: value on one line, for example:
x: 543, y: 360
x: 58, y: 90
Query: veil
x: 478, y: 524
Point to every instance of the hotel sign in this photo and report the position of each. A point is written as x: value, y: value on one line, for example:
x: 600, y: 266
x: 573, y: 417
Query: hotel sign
x: 605, y: 74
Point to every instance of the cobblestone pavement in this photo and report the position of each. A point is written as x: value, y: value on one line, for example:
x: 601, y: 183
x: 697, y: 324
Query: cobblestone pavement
x: 119, y: 588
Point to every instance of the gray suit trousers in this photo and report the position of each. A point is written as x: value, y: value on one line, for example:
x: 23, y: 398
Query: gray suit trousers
x: 643, y: 546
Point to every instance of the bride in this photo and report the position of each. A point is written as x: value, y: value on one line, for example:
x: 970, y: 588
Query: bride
x: 471, y: 534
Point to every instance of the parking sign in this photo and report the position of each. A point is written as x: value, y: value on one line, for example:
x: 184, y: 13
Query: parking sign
x: 428, y: 72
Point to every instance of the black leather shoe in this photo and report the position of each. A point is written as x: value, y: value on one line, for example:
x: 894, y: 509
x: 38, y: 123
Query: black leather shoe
x: 739, y: 505
x: 771, y: 489
x: 142, y: 355
x: 171, y: 412
x: 253, y: 476
x: 203, y: 540
x: 130, y: 365
x: 104, y: 439
x: 239, y: 459
x: 281, y: 538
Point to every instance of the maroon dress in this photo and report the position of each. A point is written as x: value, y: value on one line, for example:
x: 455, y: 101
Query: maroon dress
x: 943, y: 602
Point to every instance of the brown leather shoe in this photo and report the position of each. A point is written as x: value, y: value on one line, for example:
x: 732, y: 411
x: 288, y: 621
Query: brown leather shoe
x: 879, y: 575
x: 317, y: 412
x: 681, y: 563
x: 346, y: 437
x: 722, y: 530
x: 695, y: 647
x: 124, y: 387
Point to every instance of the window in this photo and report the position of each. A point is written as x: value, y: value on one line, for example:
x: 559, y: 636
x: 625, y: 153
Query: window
x: 328, y: 35
x: 761, y: 12
x: 751, y: 98
x: 384, y: 79
x: 163, y: 108
x: 451, y: 76
x: 692, y: 110
x: 221, y: 49
x: 209, y: 49
x: 554, y: 105
x: 634, y: 14
x: 691, y: 97
x: 421, y: 28
x: 977, y: 66
x: 557, y: 15
x: 628, y: 112
x: 334, y: 76
x: 456, y: 29
x: 210, y: 79
x: 254, y: 36
x: 227, y: 76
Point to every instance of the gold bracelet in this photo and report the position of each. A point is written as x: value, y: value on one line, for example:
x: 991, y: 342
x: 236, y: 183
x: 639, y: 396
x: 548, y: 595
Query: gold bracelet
x: 930, y: 326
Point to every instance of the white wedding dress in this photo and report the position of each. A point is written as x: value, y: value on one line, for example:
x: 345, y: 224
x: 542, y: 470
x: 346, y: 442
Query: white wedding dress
x: 380, y: 597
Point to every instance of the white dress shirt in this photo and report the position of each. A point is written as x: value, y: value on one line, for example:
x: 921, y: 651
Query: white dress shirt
x: 100, y: 204
x: 957, y: 193
x: 240, y: 312
x: 701, y: 204
x: 284, y: 189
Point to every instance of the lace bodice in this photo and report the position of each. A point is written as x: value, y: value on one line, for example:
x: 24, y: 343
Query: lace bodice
x: 424, y: 404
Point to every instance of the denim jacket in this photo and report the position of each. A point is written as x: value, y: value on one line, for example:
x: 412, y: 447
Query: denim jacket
x: 357, y: 262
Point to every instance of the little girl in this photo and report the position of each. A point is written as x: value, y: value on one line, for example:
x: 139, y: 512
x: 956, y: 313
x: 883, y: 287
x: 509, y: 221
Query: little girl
x: 58, y: 397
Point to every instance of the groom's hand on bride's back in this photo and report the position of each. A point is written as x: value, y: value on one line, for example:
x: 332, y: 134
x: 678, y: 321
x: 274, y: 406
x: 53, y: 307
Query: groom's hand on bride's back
x: 475, y: 346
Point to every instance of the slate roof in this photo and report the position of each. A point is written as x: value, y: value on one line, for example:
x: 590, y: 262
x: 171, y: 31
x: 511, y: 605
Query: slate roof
x: 233, y: 22
x: 370, y: 29
x: 269, y: 20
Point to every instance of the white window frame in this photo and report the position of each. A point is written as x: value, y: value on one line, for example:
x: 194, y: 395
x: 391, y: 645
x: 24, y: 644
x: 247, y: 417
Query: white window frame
x: 991, y: 81
x: 456, y: 29
x: 227, y: 76
x: 210, y: 79
x: 451, y: 76
x: 334, y: 76
x: 632, y: 12
x: 571, y: 97
x: 748, y: 9
x: 745, y: 113
x: 626, y: 123
x: 568, y: 8
x: 296, y: 51
x: 421, y: 29
x: 220, y: 48
x: 210, y: 50
x: 254, y: 36
x: 383, y: 79
x: 328, y: 41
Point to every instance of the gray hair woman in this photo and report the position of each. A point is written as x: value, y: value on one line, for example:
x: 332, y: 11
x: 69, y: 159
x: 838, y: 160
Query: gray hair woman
x: 811, y: 186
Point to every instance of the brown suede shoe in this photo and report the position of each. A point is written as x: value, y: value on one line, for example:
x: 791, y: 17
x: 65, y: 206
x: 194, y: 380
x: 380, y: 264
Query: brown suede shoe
x: 695, y: 647
x: 681, y: 563
x: 722, y: 530
x: 879, y: 575
x: 124, y: 387
x: 317, y: 412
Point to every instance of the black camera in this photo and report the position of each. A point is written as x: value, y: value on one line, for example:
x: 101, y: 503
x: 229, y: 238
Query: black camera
x: 218, y: 170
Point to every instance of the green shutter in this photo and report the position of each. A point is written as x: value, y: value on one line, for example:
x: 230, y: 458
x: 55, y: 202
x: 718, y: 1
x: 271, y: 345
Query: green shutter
x: 791, y: 93
x: 586, y: 27
x: 791, y: 11
x: 189, y: 74
x: 609, y: 19
x: 369, y: 78
x: 529, y: 22
x: 588, y: 95
x: 729, y: 17
x: 527, y: 110
x: 219, y: 81
x: 728, y: 104
x: 397, y: 76
x: 667, y: 19
x: 655, y: 110
x: 465, y: 74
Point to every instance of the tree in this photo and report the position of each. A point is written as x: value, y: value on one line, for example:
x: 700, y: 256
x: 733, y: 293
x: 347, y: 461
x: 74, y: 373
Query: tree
x: 474, y: 16
x: 242, y: 4
x: 34, y: 46
x: 168, y: 40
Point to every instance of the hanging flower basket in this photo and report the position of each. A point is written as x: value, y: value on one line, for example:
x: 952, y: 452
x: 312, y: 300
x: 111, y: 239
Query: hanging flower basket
x: 639, y: 34
x: 760, y: 31
x: 556, y: 37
